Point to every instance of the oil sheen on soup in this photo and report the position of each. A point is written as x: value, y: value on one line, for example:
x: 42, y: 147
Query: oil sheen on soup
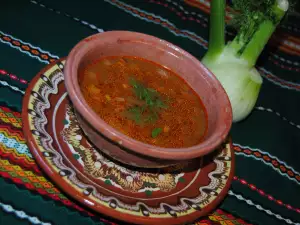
x: 144, y: 101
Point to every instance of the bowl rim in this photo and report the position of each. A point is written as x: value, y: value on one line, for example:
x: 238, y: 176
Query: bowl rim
x: 104, y: 129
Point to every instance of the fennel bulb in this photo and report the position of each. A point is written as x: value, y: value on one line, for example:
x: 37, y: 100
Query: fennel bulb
x: 233, y: 63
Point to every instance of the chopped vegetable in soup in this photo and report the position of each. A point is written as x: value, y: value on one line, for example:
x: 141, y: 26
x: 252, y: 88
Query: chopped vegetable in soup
x: 144, y: 101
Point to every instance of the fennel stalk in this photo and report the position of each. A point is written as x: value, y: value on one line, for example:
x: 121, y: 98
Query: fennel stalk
x: 234, y: 63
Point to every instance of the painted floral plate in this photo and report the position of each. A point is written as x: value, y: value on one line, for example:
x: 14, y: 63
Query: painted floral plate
x: 174, y: 195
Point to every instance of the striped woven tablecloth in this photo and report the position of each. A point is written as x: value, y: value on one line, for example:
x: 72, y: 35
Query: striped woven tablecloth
x: 266, y: 185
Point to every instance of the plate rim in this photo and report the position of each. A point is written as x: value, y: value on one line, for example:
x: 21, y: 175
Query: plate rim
x: 72, y: 193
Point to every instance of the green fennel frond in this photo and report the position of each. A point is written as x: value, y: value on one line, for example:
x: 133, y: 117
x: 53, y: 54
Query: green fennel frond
x: 249, y: 14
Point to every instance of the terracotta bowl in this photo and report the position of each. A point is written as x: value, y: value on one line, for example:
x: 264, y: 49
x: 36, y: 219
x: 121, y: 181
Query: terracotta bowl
x: 121, y: 147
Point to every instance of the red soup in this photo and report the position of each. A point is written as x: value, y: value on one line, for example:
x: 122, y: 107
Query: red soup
x: 144, y: 101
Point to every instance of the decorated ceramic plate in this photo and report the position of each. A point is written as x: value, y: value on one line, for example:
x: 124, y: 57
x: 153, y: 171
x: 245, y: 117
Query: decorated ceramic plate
x: 174, y: 195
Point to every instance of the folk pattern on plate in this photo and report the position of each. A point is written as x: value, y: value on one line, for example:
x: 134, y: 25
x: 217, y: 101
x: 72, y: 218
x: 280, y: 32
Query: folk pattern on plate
x: 102, y: 168
x: 39, y: 104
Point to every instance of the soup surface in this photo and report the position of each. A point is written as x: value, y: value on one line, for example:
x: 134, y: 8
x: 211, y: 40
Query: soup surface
x: 144, y: 101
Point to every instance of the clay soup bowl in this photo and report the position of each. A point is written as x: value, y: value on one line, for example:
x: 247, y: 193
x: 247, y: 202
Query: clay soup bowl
x: 121, y: 147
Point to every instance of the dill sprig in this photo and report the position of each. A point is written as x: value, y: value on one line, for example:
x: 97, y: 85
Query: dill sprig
x: 152, y: 103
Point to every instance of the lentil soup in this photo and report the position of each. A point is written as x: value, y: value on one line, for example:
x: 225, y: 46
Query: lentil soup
x: 144, y: 101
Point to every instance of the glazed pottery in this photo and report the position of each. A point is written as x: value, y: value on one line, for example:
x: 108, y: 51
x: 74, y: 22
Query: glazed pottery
x: 172, y: 195
x: 122, y: 147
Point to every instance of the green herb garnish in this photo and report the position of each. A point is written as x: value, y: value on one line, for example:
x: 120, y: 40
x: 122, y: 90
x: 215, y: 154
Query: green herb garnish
x: 149, y: 95
x: 152, y: 103
x: 155, y: 132
x: 135, y: 113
